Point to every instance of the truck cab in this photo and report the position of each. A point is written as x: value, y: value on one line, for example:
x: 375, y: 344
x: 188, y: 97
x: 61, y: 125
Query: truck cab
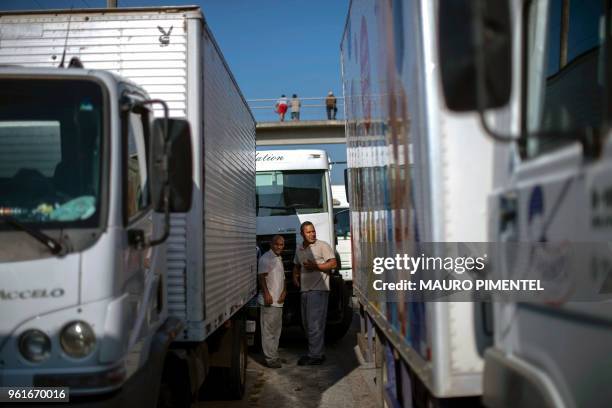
x: 294, y: 186
x: 549, y: 114
x: 81, y: 235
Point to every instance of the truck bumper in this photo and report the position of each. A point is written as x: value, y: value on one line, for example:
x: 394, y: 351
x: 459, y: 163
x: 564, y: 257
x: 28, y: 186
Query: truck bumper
x: 511, y: 382
x: 136, y: 391
x: 142, y: 388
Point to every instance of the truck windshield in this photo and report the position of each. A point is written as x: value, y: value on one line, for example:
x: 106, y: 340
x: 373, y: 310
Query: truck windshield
x: 50, y: 151
x: 291, y: 192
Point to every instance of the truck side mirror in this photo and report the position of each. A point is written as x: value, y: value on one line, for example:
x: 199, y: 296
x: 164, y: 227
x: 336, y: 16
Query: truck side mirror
x: 475, y: 53
x: 335, y: 230
x: 179, y: 167
x: 346, y: 184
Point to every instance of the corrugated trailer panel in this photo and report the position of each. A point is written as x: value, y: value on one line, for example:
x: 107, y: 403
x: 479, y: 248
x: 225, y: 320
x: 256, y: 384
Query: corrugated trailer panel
x: 229, y: 191
x: 127, y: 43
x: 176, y: 255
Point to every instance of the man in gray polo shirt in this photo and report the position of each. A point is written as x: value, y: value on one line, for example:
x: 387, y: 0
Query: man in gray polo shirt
x: 314, y: 260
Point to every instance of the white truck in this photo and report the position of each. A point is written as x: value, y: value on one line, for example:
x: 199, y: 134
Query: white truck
x: 415, y: 180
x: 294, y: 186
x: 98, y: 292
x: 553, y: 163
x: 473, y: 121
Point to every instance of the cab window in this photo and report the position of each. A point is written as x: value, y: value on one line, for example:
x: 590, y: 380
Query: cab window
x: 137, y: 192
x: 565, y: 72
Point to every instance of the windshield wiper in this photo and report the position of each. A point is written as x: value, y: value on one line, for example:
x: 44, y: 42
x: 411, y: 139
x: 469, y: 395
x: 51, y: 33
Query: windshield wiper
x: 54, y: 246
x: 271, y: 207
x: 276, y: 207
x: 299, y: 205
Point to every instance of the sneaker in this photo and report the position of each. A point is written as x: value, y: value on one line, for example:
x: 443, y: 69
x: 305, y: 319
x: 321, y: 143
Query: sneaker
x: 305, y: 360
x: 316, y: 360
x: 274, y: 364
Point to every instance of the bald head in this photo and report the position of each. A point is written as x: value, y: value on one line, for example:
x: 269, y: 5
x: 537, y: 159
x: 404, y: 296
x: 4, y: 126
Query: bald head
x: 278, y: 244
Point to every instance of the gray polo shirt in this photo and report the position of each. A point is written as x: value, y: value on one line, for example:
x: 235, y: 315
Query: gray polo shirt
x: 320, y: 252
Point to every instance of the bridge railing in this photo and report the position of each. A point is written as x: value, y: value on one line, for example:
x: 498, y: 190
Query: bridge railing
x: 313, y: 108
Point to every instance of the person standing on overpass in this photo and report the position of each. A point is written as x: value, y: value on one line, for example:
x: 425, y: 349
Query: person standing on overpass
x: 281, y: 107
x: 295, y: 107
x: 330, y: 106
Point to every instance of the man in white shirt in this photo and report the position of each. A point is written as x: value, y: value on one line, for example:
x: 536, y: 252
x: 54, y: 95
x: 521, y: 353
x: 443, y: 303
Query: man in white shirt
x: 314, y: 261
x: 271, y: 298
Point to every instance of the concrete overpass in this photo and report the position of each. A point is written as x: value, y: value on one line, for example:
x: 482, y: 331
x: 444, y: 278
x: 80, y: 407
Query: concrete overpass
x: 300, y: 132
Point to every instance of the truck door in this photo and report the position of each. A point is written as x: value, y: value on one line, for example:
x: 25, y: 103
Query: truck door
x: 142, y: 266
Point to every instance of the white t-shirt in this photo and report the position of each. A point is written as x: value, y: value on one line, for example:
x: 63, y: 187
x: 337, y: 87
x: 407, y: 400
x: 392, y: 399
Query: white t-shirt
x: 320, y: 252
x: 272, y: 264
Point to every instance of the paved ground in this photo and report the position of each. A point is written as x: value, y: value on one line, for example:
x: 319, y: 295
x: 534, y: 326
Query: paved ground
x: 340, y: 382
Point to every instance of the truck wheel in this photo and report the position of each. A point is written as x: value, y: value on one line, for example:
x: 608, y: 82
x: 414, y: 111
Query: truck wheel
x: 235, y: 375
x: 174, y: 390
x: 334, y: 332
x: 227, y: 381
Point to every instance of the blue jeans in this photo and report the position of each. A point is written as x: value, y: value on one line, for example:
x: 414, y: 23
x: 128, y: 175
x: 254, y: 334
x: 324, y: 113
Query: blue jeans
x: 314, y: 317
x: 331, y: 110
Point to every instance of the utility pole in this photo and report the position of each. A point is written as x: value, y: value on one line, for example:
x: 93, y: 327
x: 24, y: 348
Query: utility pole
x: 111, y: 3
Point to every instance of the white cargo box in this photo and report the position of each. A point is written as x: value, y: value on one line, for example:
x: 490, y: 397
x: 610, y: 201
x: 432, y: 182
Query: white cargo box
x: 416, y: 180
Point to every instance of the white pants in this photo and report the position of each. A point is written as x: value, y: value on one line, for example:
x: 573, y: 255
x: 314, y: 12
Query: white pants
x: 271, y: 321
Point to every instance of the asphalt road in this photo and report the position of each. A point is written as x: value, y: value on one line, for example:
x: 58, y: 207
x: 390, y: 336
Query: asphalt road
x: 340, y: 382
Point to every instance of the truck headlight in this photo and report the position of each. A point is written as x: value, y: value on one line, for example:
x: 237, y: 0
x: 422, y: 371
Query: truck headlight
x: 77, y: 339
x: 35, y: 345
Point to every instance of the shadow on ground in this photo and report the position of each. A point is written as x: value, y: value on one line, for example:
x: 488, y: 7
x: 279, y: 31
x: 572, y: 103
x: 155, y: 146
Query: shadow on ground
x: 339, y: 382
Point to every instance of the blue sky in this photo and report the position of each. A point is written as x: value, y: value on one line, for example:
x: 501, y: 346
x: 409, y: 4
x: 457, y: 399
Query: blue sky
x: 272, y: 46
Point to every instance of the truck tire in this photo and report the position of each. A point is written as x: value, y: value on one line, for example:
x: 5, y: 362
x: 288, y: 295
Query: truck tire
x: 174, y: 390
x: 235, y: 376
x: 228, y: 382
x: 334, y: 332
